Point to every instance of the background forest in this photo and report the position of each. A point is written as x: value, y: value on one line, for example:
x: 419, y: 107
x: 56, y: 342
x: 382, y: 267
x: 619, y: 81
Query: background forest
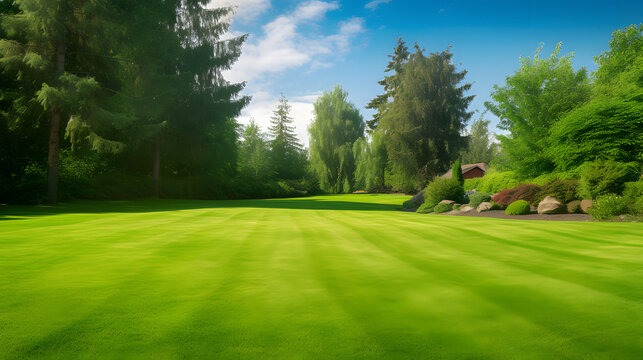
x: 124, y: 100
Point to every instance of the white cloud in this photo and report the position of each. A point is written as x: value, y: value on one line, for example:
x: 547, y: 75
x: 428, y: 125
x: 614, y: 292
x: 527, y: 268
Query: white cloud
x: 263, y: 104
x: 246, y: 10
x: 283, y: 46
x: 375, y: 3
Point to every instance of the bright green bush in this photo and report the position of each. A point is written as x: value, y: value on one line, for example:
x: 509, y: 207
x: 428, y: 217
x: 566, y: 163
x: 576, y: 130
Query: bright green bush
x: 472, y: 184
x: 520, y: 207
x: 425, y: 209
x: 443, y: 207
x: 443, y: 189
x: 479, y: 197
x: 608, y: 206
x: 603, y: 177
x: 633, y: 197
x: 494, y: 181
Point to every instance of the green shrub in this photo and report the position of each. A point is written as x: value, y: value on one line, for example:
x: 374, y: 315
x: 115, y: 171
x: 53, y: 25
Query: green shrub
x: 409, y: 204
x: 563, y: 190
x: 496, y: 206
x: 608, y: 206
x: 479, y: 197
x: 443, y: 207
x: 573, y: 207
x: 633, y: 197
x: 494, y: 181
x: 443, y: 189
x: 472, y: 184
x: 425, y: 209
x: 603, y: 177
x: 520, y: 207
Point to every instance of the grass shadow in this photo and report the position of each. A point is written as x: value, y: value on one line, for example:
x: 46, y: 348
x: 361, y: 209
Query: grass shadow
x: 18, y: 212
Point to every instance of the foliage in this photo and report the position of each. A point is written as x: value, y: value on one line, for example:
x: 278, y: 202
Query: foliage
x: 519, y: 207
x: 477, y: 198
x: 573, y: 207
x: 443, y: 189
x: 425, y: 208
x: 563, y: 190
x: 479, y: 146
x: 608, y: 206
x: 633, y: 197
x: 609, y: 125
x: 443, y: 207
x: 456, y: 172
x: 336, y: 126
x: 531, y: 102
x: 253, y: 158
x: 526, y: 192
x: 494, y: 181
x: 429, y: 97
x: 370, y: 161
x: 603, y: 177
x: 390, y: 83
x: 287, y: 156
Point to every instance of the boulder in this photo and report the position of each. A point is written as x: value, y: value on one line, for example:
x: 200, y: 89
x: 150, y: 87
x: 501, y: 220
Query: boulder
x: 447, y: 202
x: 466, y: 208
x: 585, y: 205
x: 484, y: 206
x: 551, y: 205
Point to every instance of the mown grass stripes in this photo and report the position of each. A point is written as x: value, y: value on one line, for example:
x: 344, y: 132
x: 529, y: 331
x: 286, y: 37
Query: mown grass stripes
x: 326, y: 277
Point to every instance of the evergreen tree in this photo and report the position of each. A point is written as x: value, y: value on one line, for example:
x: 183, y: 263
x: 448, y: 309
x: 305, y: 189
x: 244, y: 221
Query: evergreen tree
x: 336, y: 126
x: 45, y: 40
x: 424, y: 123
x: 390, y: 83
x: 456, y: 172
x: 287, y: 154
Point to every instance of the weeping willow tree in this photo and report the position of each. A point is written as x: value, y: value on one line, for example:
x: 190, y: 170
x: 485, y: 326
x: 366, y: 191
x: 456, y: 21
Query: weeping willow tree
x: 370, y: 162
x: 337, y: 125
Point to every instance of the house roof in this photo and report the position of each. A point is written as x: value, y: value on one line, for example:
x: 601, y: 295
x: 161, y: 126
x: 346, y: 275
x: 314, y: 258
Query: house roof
x: 466, y: 167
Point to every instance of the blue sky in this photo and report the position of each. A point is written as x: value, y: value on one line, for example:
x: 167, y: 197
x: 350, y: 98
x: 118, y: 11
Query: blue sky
x: 301, y: 48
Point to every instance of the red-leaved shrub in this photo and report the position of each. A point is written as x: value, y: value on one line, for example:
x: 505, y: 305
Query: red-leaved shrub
x: 527, y: 192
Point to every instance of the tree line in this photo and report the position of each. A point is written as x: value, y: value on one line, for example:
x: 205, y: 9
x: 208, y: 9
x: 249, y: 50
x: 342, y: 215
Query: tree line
x: 125, y: 99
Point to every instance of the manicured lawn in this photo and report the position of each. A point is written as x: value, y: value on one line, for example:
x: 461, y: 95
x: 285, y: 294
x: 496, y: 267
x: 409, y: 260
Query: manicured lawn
x: 324, y: 277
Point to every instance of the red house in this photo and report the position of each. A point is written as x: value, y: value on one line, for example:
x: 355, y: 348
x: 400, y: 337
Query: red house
x: 469, y: 171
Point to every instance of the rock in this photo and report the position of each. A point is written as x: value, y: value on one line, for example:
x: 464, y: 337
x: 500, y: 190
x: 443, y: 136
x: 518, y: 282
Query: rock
x: 484, y: 206
x: 466, y: 208
x: 585, y: 205
x: 551, y: 205
x: 447, y: 202
x: 573, y: 207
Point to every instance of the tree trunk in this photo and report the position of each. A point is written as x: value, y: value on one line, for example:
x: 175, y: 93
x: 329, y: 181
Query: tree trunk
x: 54, y: 135
x: 157, y: 166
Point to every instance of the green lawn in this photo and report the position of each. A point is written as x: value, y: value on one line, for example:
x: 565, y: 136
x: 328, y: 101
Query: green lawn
x: 324, y: 277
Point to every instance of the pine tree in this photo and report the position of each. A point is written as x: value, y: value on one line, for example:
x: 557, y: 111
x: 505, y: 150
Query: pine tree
x: 286, y: 151
x: 479, y: 145
x: 40, y: 43
x: 390, y: 83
